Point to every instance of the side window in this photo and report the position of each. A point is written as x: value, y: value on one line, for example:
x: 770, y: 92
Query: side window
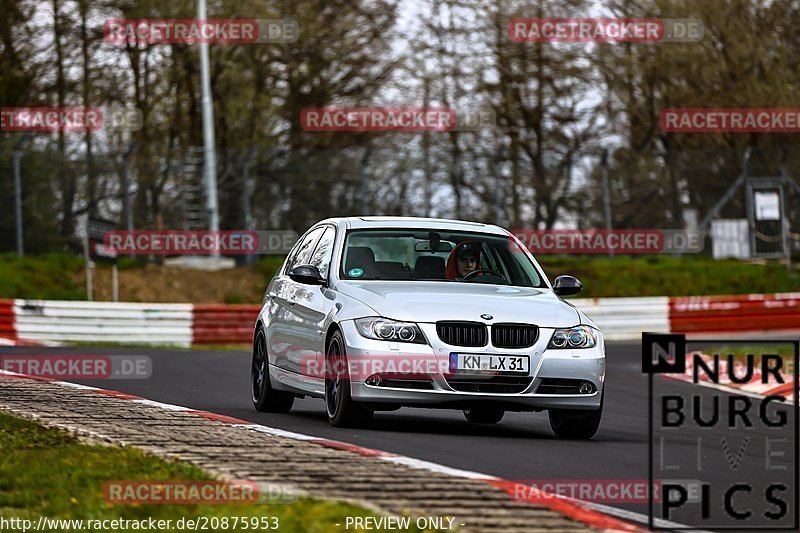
x: 300, y: 254
x: 488, y: 259
x: 290, y: 260
x: 321, y: 258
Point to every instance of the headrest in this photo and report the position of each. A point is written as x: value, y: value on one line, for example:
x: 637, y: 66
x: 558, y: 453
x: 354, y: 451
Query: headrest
x: 360, y: 257
x: 431, y: 266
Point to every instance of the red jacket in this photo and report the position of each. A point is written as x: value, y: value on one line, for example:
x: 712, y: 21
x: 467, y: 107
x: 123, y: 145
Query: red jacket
x: 451, y: 269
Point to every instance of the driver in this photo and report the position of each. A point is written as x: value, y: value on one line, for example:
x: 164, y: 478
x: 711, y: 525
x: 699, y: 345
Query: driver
x: 462, y: 260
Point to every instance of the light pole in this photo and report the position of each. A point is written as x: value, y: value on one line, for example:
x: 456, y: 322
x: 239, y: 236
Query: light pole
x: 208, y: 130
x: 16, y: 156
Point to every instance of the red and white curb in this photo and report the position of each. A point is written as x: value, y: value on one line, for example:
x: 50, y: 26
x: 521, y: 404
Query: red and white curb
x: 5, y: 341
x: 587, y: 512
x: 753, y: 387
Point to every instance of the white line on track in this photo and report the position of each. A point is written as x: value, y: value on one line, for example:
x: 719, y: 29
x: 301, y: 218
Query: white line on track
x: 640, y: 518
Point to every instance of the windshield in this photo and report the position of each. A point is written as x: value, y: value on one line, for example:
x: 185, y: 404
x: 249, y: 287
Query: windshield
x: 436, y: 255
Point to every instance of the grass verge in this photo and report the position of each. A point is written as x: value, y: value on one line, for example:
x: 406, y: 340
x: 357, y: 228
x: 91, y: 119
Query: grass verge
x: 664, y: 275
x: 49, y: 276
x: 47, y: 472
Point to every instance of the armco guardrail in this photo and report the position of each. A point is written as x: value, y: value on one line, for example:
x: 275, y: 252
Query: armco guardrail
x: 187, y: 324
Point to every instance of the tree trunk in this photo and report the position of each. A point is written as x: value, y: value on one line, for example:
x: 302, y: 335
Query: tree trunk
x: 91, y: 185
x: 65, y: 179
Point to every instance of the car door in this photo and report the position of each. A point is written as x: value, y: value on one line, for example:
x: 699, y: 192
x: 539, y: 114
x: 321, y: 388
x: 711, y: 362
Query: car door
x: 283, y: 331
x: 313, y: 305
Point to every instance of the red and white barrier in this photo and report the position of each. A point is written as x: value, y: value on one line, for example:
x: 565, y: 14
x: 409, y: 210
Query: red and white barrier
x: 56, y: 321
x: 223, y: 324
x: 8, y: 333
x: 741, y: 313
x: 188, y: 324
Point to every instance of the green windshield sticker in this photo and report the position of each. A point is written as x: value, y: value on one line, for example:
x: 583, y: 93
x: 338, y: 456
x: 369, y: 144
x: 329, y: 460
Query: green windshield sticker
x: 355, y: 272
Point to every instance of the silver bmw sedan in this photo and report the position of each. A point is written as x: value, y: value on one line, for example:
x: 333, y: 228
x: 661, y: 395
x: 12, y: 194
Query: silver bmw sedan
x: 376, y: 313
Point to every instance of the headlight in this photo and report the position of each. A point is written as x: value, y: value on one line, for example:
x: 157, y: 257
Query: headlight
x: 577, y: 337
x: 383, y: 329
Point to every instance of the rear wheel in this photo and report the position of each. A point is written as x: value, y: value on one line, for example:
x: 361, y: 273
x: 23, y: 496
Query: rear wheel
x: 575, y: 424
x: 484, y: 415
x: 342, y: 410
x: 265, y: 398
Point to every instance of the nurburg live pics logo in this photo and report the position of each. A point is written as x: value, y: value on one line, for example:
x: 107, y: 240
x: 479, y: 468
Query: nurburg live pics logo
x: 727, y: 459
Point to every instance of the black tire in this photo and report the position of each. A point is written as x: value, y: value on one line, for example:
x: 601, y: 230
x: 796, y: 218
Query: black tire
x: 575, y: 424
x: 484, y: 415
x: 265, y: 398
x: 341, y: 409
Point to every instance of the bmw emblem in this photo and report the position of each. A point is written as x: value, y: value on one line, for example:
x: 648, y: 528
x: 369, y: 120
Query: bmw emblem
x: 486, y: 316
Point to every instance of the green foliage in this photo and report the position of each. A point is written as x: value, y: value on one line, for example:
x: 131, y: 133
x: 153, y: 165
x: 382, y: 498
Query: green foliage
x: 125, y: 263
x: 50, y: 276
x: 604, y: 276
x: 268, y: 266
x: 235, y: 298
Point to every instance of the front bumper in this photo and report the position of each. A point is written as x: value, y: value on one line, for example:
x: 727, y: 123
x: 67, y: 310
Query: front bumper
x: 584, y: 365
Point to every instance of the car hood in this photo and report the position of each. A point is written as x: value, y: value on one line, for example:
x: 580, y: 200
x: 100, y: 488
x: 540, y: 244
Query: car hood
x: 431, y: 301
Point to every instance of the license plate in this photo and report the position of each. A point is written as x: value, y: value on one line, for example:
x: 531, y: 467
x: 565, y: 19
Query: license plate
x: 474, y: 363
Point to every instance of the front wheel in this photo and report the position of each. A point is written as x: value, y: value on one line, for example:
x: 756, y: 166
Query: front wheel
x: 484, y: 415
x: 342, y: 410
x: 265, y: 398
x: 575, y: 424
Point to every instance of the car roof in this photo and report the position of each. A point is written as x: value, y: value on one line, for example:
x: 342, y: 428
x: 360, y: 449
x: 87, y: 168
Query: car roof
x: 377, y: 222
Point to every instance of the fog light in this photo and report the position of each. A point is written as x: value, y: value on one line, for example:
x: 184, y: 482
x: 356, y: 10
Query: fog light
x: 586, y: 388
x: 374, y: 380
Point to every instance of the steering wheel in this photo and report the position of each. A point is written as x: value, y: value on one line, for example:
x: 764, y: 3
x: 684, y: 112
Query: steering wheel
x: 474, y: 273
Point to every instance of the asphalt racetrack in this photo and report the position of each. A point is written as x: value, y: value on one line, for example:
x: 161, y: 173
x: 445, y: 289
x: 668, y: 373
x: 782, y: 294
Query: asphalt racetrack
x: 521, y: 447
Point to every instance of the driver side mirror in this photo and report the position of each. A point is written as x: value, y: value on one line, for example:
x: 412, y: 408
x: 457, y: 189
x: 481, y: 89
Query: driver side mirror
x: 567, y: 286
x: 307, y: 274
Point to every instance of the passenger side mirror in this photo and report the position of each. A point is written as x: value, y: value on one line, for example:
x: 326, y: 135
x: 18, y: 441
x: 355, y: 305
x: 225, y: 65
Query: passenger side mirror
x: 307, y: 274
x: 567, y: 286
